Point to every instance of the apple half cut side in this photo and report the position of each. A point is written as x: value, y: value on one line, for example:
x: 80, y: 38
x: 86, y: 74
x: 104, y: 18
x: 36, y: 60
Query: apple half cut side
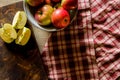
x: 23, y: 36
x: 8, y: 33
x: 19, y: 20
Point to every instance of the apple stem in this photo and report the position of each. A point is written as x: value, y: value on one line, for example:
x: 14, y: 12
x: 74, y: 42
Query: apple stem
x: 40, y: 12
x: 65, y: 20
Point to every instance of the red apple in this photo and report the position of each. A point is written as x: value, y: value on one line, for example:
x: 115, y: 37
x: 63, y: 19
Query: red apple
x: 48, y: 2
x: 34, y: 2
x: 43, y: 15
x: 69, y: 4
x: 60, y: 18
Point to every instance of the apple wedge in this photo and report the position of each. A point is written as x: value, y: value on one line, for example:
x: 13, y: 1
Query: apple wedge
x: 23, y: 36
x: 8, y: 33
x: 19, y: 20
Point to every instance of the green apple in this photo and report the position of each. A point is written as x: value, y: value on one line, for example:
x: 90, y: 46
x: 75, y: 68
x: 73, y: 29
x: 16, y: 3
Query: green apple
x: 23, y: 36
x: 8, y: 33
x: 19, y: 20
x: 34, y: 2
x: 43, y: 14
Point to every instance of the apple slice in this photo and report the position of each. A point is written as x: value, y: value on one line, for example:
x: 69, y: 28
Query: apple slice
x: 19, y: 20
x: 23, y: 36
x: 8, y: 33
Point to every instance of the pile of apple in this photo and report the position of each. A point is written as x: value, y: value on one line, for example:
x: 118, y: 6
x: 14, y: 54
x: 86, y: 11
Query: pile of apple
x: 54, y: 12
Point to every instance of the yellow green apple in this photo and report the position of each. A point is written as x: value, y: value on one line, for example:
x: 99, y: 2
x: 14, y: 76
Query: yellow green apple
x: 43, y: 15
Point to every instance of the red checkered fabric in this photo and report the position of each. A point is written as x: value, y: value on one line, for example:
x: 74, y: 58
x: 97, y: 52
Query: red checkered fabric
x: 106, y: 30
x: 89, y: 48
x: 69, y: 53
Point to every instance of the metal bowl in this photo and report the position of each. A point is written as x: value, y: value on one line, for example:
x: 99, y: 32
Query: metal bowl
x: 30, y: 11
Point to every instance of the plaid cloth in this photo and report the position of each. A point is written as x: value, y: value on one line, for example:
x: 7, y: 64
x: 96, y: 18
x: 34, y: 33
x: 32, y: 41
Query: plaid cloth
x: 106, y: 33
x: 89, y: 48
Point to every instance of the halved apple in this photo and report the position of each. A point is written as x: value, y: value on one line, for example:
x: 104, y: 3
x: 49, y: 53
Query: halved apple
x: 8, y: 33
x: 19, y: 20
x: 23, y: 36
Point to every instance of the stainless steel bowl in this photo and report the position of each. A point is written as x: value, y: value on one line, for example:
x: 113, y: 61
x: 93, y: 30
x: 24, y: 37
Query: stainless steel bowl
x: 30, y: 11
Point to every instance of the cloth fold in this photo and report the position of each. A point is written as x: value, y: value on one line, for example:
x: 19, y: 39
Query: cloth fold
x: 89, y: 48
x: 106, y: 30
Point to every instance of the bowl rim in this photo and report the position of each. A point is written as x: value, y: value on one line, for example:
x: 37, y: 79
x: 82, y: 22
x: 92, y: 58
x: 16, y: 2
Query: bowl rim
x: 36, y: 24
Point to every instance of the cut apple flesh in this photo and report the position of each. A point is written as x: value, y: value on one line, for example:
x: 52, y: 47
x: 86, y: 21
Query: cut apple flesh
x: 8, y: 33
x: 23, y: 36
x: 19, y: 20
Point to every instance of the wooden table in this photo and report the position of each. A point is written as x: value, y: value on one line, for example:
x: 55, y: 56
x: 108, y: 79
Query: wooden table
x: 19, y: 62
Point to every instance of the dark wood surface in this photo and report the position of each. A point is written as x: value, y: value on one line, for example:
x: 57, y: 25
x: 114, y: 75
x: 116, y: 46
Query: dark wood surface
x: 19, y: 62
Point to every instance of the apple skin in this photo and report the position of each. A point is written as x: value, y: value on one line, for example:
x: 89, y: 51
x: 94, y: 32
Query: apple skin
x: 43, y: 15
x: 48, y: 2
x: 69, y: 4
x: 34, y: 2
x: 60, y: 18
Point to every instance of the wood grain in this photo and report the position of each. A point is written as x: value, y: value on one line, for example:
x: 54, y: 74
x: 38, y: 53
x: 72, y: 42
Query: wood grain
x: 19, y: 62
